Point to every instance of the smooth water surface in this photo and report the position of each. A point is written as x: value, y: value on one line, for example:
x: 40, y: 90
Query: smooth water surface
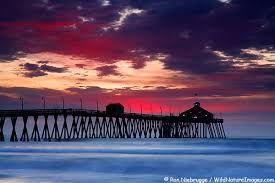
x: 135, y: 160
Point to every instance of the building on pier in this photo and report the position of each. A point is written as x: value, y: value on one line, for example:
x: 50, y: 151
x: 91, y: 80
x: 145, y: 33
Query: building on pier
x: 197, y: 113
x: 195, y: 122
x: 115, y: 109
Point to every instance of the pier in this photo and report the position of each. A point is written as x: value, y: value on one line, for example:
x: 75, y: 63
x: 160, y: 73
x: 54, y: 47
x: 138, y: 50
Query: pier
x: 72, y: 124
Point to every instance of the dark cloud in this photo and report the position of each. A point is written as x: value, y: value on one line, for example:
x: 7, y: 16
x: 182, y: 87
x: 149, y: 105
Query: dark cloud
x: 35, y: 73
x: 80, y: 65
x: 48, y: 68
x: 88, y: 90
x: 43, y: 62
x: 107, y: 70
x: 35, y: 70
x: 194, y: 64
x: 31, y: 67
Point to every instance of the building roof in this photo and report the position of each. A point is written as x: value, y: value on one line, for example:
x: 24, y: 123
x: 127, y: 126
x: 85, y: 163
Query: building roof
x: 197, y: 112
x: 115, y: 104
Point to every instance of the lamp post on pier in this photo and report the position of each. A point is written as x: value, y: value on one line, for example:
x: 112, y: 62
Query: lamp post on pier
x: 63, y: 103
x: 22, y: 103
x: 44, y: 103
x: 130, y: 108
x: 81, y: 104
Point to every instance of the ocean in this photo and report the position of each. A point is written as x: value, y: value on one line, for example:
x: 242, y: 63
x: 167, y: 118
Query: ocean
x: 138, y: 161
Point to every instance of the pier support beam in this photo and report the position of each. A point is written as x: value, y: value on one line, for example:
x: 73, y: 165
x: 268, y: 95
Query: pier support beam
x: 35, y: 133
x: 90, y: 127
x: 218, y: 129
x: 25, y: 136
x: 55, y: 131
x: 209, y: 128
x: 143, y: 128
x: 222, y: 129
x: 129, y: 128
x: 13, y: 134
x: 117, y: 128
x: 213, y: 130
x: 82, y: 128
x: 2, y: 122
x: 46, y: 133
x: 103, y: 127
x: 155, y: 128
x: 124, y: 128
x: 134, y: 128
x: 159, y: 127
x: 65, y: 132
x: 74, y: 132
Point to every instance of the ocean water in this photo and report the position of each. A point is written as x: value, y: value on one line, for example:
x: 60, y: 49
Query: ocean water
x: 137, y: 160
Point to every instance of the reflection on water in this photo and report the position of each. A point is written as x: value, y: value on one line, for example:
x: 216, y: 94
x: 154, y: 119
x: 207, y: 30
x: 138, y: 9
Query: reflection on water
x: 135, y: 160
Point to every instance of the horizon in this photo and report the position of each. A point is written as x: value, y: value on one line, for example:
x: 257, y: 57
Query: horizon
x: 154, y: 54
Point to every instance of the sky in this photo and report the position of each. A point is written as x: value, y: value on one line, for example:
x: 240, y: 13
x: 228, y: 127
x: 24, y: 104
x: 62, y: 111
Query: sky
x: 152, y: 55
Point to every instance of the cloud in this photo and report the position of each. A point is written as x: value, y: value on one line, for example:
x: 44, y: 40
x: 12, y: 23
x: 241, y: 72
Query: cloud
x: 107, y: 70
x: 30, y: 67
x: 43, y: 62
x: 80, y: 65
x: 35, y: 73
x: 35, y: 70
x: 49, y: 68
x: 86, y: 19
x: 105, y: 3
x: 225, y: 1
x: 123, y: 15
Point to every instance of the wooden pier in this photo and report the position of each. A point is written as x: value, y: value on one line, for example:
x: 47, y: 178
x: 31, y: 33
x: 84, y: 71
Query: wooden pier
x: 69, y: 124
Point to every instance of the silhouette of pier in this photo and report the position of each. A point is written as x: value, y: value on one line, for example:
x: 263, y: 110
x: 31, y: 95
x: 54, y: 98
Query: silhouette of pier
x: 69, y: 124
